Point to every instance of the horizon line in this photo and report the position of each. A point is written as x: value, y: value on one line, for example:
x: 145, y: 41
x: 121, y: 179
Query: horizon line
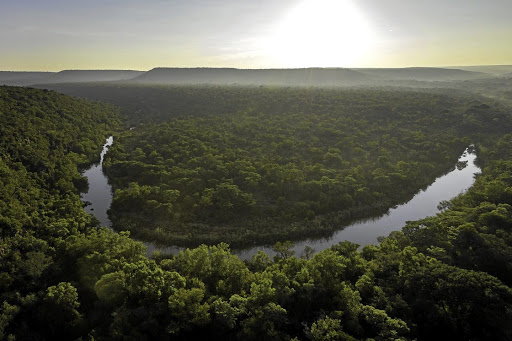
x: 268, y: 68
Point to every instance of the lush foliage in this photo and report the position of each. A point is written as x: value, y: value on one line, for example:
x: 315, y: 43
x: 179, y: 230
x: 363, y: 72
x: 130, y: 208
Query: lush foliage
x: 43, y: 137
x: 446, y: 277
x: 282, y: 163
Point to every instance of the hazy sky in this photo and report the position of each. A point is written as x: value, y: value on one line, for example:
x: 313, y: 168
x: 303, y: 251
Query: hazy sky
x: 135, y: 34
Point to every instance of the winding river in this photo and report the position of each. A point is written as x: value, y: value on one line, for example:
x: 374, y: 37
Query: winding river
x: 364, y: 232
x: 99, y: 196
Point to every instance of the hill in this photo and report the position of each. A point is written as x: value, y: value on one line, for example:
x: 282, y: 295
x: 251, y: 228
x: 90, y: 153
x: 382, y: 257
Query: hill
x: 422, y: 74
x: 23, y: 77
x: 65, y: 76
x: 224, y: 76
x: 495, y: 70
x: 301, y: 77
x: 74, y: 76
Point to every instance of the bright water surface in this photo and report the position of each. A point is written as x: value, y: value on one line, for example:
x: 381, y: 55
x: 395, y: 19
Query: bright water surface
x: 422, y: 205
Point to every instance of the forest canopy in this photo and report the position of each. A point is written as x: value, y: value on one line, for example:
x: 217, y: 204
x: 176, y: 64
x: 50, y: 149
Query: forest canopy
x: 62, y: 278
x: 248, y: 165
x: 44, y: 138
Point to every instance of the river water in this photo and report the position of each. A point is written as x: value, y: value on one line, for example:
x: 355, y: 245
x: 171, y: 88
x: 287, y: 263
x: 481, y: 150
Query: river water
x: 364, y: 232
x: 100, y: 193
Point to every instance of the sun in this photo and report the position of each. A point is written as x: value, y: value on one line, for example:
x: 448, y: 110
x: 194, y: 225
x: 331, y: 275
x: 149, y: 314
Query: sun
x: 321, y: 33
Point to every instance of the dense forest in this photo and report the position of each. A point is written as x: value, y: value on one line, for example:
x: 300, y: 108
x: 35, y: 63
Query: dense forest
x: 44, y: 139
x: 258, y: 165
x: 445, y: 277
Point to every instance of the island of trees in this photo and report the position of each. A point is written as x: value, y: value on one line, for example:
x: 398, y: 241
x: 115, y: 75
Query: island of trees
x: 249, y: 166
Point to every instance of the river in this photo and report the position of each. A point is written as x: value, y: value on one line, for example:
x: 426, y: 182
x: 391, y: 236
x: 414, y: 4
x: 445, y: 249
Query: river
x: 364, y: 232
x: 100, y: 192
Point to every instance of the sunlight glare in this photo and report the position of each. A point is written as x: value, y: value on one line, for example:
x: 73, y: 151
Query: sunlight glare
x: 322, y: 33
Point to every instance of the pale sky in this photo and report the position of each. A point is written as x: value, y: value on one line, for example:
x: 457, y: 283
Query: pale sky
x: 52, y: 35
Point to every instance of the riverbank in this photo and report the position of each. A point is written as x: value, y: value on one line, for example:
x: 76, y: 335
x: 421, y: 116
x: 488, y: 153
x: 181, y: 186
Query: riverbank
x: 362, y: 232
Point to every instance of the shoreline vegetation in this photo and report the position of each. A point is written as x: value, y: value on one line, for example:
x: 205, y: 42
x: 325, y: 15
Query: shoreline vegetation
x: 443, y: 277
x: 264, y: 164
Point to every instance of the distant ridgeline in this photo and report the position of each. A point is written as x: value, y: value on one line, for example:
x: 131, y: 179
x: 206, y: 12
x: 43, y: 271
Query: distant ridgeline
x: 67, y: 76
x: 278, y: 77
x: 299, y: 77
x: 445, y: 277
x: 112, y: 85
